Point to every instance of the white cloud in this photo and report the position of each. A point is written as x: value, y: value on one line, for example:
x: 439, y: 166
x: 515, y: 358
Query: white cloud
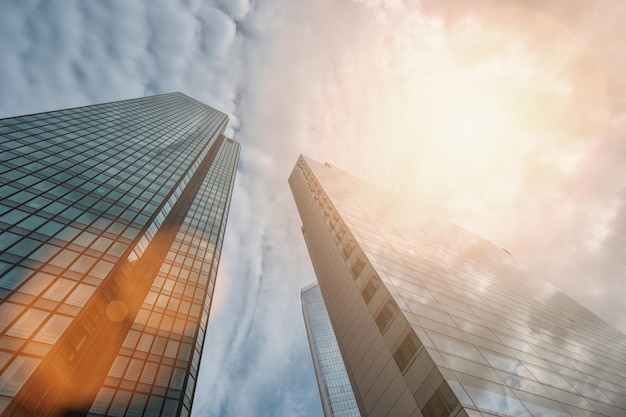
x: 236, y: 9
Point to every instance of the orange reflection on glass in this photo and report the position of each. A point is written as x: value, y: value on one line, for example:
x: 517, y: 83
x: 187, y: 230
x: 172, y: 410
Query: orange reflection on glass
x: 117, y: 310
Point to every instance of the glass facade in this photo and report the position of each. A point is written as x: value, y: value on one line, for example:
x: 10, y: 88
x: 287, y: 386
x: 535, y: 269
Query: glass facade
x: 112, y: 218
x: 433, y: 320
x: 332, y: 378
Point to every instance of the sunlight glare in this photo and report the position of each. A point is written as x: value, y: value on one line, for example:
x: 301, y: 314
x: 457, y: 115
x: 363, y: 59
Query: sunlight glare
x: 474, y: 124
x: 486, y: 118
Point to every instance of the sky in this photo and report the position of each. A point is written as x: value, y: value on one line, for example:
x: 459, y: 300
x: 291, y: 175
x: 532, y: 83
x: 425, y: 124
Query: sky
x: 505, y: 117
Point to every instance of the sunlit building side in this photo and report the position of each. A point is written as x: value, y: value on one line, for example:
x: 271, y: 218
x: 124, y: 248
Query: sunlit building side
x: 332, y: 379
x: 112, y: 218
x: 434, y: 321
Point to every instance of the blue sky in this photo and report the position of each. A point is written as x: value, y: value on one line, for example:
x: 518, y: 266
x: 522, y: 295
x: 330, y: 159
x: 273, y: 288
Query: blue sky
x: 508, y: 119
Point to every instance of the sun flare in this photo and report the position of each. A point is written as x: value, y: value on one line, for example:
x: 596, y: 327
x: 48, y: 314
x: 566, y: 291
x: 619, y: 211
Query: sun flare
x: 499, y: 108
x: 472, y: 126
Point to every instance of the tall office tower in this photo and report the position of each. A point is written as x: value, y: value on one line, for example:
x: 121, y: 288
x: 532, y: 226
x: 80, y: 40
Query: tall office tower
x: 112, y: 220
x: 332, y: 379
x: 434, y: 321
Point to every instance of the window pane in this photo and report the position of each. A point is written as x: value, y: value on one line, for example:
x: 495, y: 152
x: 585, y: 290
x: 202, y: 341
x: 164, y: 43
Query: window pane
x: 386, y: 315
x: 26, y: 325
x: 406, y: 351
x: 163, y: 377
x: 80, y: 295
x: 137, y: 406
x: 145, y: 342
x: 131, y: 339
x: 8, y: 312
x: 14, y: 277
x: 59, y: 289
x: 37, y: 283
x: 154, y: 407
x: 149, y: 372
x: 178, y: 378
x: 119, y: 403
x: 52, y: 330
x: 16, y: 375
x: 118, y: 367
x: 172, y: 347
x: 134, y: 369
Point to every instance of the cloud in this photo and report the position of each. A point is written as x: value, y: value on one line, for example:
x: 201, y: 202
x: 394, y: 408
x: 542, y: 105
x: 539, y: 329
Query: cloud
x: 387, y: 90
x: 383, y: 98
x: 68, y: 54
x: 237, y: 9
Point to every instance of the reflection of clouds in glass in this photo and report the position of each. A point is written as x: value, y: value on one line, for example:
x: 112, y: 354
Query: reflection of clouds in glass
x: 591, y: 391
x: 459, y: 392
x: 524, y: 384
x: 509, y: 365
x: 479, y: 313
x: 456, y: 347
x: 492, y: 397
x: 542, y: 407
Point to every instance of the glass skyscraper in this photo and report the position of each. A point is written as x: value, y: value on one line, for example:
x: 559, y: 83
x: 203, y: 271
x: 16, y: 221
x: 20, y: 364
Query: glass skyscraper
x: 332, y: 379
x: 434, y: 321
x: 112, y: 218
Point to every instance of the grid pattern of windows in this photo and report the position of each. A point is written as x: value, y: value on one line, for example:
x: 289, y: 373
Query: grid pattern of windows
x: 479, y: 327
x: 156, y: 369
x: 83, y: 192
x: 332, y: 379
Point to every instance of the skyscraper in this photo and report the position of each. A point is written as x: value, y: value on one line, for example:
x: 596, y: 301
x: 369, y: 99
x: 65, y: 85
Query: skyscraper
x: 434, y: 321
x: 332, y: 379
x: 112, y: 218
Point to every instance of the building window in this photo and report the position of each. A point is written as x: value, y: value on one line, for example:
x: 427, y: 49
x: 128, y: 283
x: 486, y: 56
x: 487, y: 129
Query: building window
x: 441, y: 403
x: 347, y: 248
x: 16, y: 375
x: 52, y: 330
x: 101, y: 403
x: 370, y: 288
x: 386, y: 315
x: 407, y: 351
x: 357, y: 268
x: 59, y: 289
x: 118, y: 367
x: 28, y: 323
x: 340, y: 232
